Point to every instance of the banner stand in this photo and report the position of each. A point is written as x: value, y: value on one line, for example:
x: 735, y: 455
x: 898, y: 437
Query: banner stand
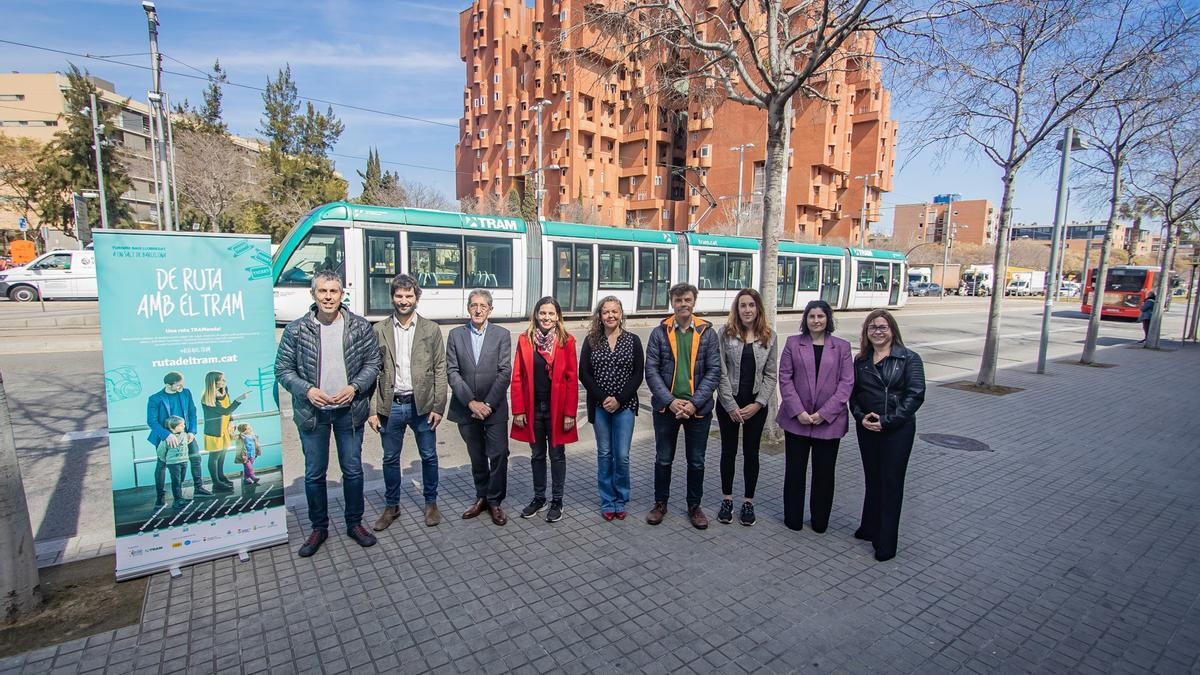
x: 187, y: 326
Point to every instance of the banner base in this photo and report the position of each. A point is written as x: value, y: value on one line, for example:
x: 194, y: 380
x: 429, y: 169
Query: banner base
x: 178, y: 563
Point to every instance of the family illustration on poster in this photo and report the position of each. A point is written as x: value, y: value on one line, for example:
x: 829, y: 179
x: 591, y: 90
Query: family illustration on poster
x: 188, y: 332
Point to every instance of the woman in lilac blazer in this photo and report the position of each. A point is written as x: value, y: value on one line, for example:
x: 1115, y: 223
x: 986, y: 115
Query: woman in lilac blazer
x: 816, y: 376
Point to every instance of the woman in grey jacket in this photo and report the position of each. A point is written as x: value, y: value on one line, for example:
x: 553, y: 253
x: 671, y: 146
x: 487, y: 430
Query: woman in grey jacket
x: 749, y: 374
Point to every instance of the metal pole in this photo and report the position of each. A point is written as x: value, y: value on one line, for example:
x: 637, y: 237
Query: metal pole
x: 945, y: 259
x: 171, y: 153
x: 1187, y: 305
x: 741, y: 158
x: 1060, y: 210
x: 99, y: 163
x: 1195, y: 311
x: 862, y: 220
x: 158, y: 205
x: 167, y: 221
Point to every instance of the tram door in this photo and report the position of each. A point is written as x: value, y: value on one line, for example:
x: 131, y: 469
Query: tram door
x: 894, y: 296
x: 831, y: 281
x: 654, y: 278
x: 786, y: 293
x: 382, y: 258
x: 573, y: 277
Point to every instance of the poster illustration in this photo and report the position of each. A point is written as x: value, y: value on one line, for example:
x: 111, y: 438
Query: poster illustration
x: 188, y: 332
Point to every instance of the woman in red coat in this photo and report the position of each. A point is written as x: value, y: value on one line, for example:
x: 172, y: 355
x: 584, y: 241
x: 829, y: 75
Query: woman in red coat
x: 545, y: 400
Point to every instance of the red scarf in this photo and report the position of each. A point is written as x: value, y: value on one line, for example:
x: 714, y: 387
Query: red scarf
x: 545, y: 342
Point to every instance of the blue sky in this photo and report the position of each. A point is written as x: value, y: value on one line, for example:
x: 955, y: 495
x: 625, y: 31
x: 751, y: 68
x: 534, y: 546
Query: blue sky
x: 398, y: 56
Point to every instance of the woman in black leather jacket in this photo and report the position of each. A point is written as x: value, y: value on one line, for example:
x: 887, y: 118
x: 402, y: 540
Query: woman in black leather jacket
x: 889, y: 387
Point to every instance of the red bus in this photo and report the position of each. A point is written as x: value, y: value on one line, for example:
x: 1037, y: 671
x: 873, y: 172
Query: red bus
x: 1124, y: 292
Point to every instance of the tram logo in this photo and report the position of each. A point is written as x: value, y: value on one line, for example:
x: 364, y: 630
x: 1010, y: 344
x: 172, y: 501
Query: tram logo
x: 486, y: 223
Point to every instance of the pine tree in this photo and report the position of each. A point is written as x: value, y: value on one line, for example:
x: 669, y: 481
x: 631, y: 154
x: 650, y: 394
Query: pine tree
x: 68, y: 163
x: 210, y: 111
x: 372, y: 179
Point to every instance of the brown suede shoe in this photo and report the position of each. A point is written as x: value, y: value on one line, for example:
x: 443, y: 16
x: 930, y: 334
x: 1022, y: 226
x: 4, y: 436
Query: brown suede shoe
x: 497, y: 513
x: 656, y: 514
x: 699, y: 520
x: 475, y: 509
x: 432, y: 515
x: 386, y: 518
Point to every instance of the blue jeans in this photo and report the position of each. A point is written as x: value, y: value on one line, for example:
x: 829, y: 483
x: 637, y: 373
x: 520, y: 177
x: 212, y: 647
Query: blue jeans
x: 695, y: 440
x: 614, y: 434
x: 315, y: 444
x: 405, y: 415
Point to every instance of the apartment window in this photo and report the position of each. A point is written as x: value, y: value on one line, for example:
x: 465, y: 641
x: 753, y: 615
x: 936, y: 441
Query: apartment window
x: 509, y: 144
x: 666, y: 214
x: 12, y: 97
x: 483, y: 167
x: 496, y: 78
x: 562, y: 16
x: 657, y: 181
x: 506, y: 13
x: 705, y: 150
x: 496, y: 96
x: 483, y: 133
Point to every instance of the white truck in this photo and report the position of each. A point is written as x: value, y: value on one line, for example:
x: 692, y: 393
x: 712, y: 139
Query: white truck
x: 977, y: 280
x: 56, y: 275
x: 1026, y: 283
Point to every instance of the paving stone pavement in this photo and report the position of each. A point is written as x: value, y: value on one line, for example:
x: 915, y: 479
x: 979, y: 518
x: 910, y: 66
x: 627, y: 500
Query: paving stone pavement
x: 1071, y: 546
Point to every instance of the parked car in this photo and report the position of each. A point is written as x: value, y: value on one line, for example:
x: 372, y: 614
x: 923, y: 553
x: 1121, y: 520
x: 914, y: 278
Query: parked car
x: 926, y: 288
x: 55, y: 275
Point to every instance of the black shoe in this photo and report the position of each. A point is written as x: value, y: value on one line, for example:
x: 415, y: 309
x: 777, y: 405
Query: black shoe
x: 314, y: 541
x: 179, y: 504
x: 725, y: 513
x: 221, y: 487
x: 884, y: 557
x: 360, y: 534
x: 747, y: 516
x: 199, y: 491
x: 536, y: 505
x: 555, y: 513
x: 863, y: 534
x: 160, y: 502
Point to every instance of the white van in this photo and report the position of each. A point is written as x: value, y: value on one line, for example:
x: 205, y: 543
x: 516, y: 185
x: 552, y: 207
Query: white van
x: 57, y: 275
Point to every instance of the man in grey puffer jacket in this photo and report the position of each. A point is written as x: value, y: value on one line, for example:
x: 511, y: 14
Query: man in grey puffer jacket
x: 329, y: 360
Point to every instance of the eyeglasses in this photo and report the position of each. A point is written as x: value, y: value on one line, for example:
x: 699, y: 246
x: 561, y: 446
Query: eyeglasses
x: 878, y: 329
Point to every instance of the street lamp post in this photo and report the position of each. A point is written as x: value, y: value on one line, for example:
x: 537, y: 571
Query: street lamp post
x: 741, y: 151
x: 862, y: 219
x: 158, y: 117
x: 1069, y: 143
x: 948, y: 237
x: 539, y: 180
x: 95, y: 115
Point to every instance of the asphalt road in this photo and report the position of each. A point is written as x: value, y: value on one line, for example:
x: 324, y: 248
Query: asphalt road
x: 52, y: 375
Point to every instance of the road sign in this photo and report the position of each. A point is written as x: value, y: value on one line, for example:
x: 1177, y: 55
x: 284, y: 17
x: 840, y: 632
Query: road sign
x: 22, y: 224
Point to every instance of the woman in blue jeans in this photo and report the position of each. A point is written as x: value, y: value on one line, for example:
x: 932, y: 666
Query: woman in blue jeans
x: 611, y: 370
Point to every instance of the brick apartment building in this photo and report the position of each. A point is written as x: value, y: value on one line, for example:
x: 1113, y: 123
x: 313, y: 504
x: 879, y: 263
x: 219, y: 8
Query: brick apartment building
x: 31, y: 106
x: 615, y: 147
x: 974, y: 221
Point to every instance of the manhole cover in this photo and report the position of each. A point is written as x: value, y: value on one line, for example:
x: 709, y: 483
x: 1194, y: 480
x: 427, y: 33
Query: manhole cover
x: 956, y: 442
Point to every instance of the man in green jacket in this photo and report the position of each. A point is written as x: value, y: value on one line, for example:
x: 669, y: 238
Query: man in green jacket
x: 411, y: 393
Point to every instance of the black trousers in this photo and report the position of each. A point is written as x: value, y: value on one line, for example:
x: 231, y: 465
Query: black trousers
x: 751, y: 440
x: 885, y: 461
x: 539, y: 448
x: 487, y: 446
x: 795, y: 472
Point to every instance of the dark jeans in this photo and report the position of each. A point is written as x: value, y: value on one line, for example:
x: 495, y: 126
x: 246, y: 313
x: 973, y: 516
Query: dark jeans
x: 558, y: 456
x: 487, y: 446
x: 401, y: 416
x: 177, y: 472
x: 695, y: 439
x: 160, y: 472
x: 315, y: 444
x: 795, y: 467
x: 1145, y: 329
x: 751, y: 440
x: 216, y: 467
x: 885, y: 461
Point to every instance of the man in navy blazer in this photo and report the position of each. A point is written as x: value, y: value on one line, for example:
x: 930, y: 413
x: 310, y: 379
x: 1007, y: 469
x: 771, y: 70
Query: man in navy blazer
x: 173, y: 400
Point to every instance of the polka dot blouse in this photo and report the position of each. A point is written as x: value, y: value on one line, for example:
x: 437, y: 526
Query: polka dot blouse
x: 612, y: 368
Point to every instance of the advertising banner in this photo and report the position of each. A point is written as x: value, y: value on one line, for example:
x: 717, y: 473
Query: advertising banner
x: 188, y: 332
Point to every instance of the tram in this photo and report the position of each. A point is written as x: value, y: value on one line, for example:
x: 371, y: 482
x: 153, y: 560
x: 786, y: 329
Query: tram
x: 451, y: 253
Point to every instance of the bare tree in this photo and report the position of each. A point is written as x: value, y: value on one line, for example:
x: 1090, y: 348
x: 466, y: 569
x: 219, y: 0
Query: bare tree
x: 216, y: 175
x: 419, y: 195
x: 1003, y: 77
x: 761, y: 53
x: 1119, y: 130
x: 1172, y: 182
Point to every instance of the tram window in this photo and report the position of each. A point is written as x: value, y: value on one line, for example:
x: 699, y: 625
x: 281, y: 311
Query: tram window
x: 489, y: 263
x: 739, y: 272
x: 866, y: 276
x: 435, y: 260
x: 321, y: 249
x: 809, y: 274
x: 616, y: 268
x: 712, y: 270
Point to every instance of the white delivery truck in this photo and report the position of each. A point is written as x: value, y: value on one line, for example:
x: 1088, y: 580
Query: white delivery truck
x: 55, y: 275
